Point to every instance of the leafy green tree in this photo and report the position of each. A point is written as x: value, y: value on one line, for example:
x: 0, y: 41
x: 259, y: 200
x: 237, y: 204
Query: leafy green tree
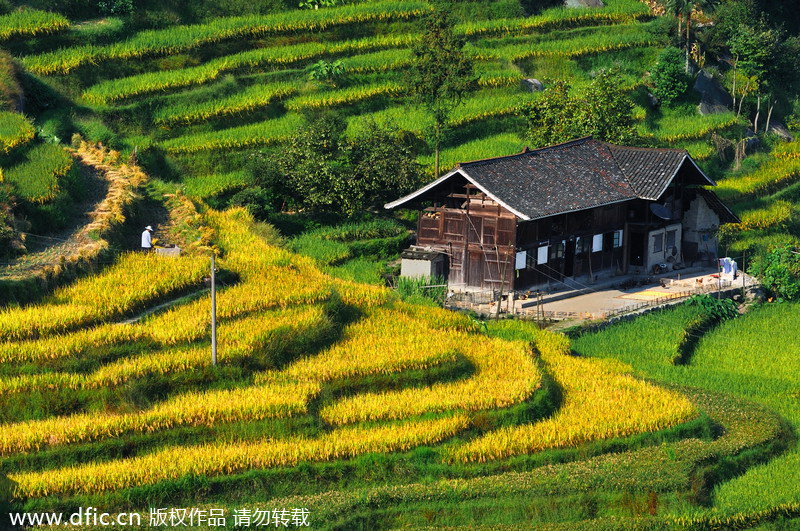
x: 779, y: 271
x: 319, y: 170
x: 684, y: 10
x: 606, y: 111
x: 115, y: 7
x: 602, y: 110
x: 383, y: 162
x: 668, y: 76
x: 441, y: 74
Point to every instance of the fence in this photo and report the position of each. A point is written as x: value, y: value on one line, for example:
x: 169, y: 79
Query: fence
x: 474, y: 299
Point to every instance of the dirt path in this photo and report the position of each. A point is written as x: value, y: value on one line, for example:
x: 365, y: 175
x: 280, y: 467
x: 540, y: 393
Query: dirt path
x: 48, y: 250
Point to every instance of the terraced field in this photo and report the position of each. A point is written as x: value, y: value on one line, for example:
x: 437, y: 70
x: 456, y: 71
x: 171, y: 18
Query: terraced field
x: 330, y: 379
x: 239, y: 83
x: 336, y: 396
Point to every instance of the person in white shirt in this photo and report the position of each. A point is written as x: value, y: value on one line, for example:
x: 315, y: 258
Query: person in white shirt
x: 147, y: 239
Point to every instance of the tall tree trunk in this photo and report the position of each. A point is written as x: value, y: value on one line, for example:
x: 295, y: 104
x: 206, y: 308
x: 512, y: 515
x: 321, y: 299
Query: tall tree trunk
x: 688, y: 38
x: 741, y: 100
x: 680, y: 27
x: 436, y: 161
x: 758, y: 113
x: 735, y: 62
x: 769, y: 114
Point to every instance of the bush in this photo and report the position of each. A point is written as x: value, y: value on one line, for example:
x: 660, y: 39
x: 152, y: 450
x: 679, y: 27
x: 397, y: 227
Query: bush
x: 668, y: 76
x: 719, y: 309
x: 258, y: 201
x: 779, y: 271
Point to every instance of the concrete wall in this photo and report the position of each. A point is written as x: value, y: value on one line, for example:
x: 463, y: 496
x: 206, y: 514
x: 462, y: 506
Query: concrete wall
x: 700, y: 224
x: 417, y: 268
x: 665, y: 255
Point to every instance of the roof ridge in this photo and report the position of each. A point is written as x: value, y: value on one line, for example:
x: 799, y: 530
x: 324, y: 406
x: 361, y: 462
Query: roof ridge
x: 526, y: 151
x: 644, y: 148
x: 619, y: 167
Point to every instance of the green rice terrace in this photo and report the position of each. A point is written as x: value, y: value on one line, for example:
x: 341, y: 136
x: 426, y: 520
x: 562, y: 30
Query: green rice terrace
x: 270, y: 134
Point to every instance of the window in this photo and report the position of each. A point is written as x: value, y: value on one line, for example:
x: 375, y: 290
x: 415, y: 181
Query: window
x: 617, y: 239
x: 583, y: 245
x: 671, y: 235
x: 557, y: 251
x: 597, y: 243
x: 541, y: 255
x: 658, y: 243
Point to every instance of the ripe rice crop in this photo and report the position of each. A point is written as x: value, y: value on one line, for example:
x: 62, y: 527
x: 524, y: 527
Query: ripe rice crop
x: 506, y: 374
x: 126, y: 87
x: 258, y: 134
x: 30, y: 22
x: 37, y: 178
x: 206, y: 186
x: 229, y: 458
x: 347, y: 96
x: 768, y: 177
x: 787, y: 150
x: 191, y: 409
x: 593, y: 392
x: 777, y: 215
x: 370, y: 347
x: 15, y: 130
x: 249, y: 99
x: 178, y: 39
x: 118, y: 290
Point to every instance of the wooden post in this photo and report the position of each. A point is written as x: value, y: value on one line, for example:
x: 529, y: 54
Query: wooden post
x: 213, y: 311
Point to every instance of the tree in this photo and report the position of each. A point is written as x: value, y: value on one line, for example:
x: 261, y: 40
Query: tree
x: 779, y: 271
x: 319, y: 170
x: 684, y: 9
x: 602, y: 110
x: 668, y: 77
x: 383, y: 165
x: 606, y: 111
x: 441, y: 74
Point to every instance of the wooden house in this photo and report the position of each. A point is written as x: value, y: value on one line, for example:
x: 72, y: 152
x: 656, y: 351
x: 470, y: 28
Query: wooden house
x: 584, y: 209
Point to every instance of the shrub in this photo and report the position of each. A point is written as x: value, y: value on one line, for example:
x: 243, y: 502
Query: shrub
x: 779, y: 271
x: 668, y: 77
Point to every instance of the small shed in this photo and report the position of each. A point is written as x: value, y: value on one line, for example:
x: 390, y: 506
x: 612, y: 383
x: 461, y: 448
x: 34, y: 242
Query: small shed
x: 421, y: 262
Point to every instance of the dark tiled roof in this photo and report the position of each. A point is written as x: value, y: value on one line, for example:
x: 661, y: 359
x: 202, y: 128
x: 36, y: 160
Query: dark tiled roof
x: 715, y: 203
x: 648, y: 170
x: 563, y: 178
x: 576, y: 175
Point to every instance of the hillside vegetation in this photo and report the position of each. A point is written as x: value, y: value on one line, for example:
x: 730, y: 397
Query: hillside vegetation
x: 331, y: 393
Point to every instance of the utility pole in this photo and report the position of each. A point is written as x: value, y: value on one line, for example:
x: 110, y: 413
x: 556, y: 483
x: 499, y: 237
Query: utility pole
x: 744, y: 279
x: 213, y: 310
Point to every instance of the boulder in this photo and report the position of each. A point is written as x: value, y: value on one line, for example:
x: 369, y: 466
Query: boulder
x: 714, y: 98
x: 653, y: 100
x: 752, y: 142
x: 532, y: 85
x: 779, y: 128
